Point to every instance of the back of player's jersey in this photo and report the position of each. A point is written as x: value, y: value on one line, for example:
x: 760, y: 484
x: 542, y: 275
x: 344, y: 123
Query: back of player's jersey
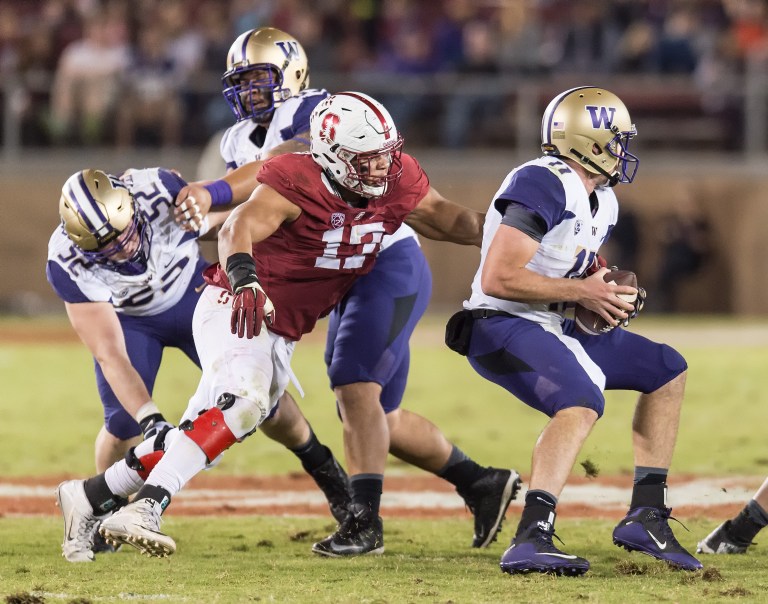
x: 172, y: 259
x: 239, y: 144
x: 551, y: 189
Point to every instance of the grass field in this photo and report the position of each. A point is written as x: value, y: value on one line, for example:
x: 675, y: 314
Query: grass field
x: 51, y: 415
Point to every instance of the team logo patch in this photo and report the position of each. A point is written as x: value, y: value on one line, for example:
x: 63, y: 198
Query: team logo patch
x: 337, y: 220
x: 328, y: 128
x: 577, y: 227
x: 602, y: 117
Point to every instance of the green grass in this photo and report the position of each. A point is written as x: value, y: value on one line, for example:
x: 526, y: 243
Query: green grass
x: 52, y: 412
x: 230, y: 560
x: 51, y: 415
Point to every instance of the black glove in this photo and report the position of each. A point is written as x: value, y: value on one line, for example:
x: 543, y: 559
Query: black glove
x: 154, y: 424
x: 639, y: 303
x: 250, y: 306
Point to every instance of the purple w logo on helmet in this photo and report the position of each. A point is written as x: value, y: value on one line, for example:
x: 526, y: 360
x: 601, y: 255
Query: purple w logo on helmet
x: 290, y: 49
x: 602, y: 117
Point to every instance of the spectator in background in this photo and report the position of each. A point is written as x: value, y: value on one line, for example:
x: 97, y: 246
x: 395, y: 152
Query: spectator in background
x: 150, y: 99
x: 685, y: 249
x: 465, y: 109
x: 86, y: 81
x: 622, y: 247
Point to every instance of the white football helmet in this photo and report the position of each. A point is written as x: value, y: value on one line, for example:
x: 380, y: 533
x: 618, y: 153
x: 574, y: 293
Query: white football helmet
x: 99, y: 215
x: 286, y: 69
x: 354, y: 139
x: 591, y: 126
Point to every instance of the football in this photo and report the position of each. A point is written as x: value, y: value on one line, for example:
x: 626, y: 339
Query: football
x: 589, y: 321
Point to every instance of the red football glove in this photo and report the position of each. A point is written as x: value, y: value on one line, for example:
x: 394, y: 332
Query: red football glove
x: 250, y: 307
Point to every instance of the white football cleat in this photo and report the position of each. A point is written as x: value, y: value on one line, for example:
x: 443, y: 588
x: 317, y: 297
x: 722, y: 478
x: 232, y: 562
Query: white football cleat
x: 138, y: 525
x: 79, y: 521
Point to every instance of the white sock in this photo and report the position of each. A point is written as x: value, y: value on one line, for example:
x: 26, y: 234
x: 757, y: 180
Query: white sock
x: 181, y: 462
x: 122, y: 480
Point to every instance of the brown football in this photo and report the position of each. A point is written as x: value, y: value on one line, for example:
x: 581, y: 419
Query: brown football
x: 589, y: 321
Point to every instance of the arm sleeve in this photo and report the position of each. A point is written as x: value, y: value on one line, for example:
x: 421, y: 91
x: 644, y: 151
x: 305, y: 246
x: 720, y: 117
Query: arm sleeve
x: 523, y: 219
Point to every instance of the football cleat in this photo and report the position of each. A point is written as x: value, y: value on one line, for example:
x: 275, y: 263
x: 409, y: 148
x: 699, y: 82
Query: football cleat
x: 79, y: 521
x: 533, y: 551
x: 361, y: 533
x: 138, y: 525
x: 334, y: 483
x: 488, y: 499
x: 720, y: 541
x: 646, y: 530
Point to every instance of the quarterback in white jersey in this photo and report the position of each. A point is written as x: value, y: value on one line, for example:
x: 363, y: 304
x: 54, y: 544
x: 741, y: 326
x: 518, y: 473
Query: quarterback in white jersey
x: 542, y: 233
x: 577, y: 223
x: 127, y: 273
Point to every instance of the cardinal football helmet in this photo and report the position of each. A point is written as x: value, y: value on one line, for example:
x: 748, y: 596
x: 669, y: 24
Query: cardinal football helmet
x: 100, y: 216
x: 353, y: 137
x: 285, y: 67
x: 591, y: 126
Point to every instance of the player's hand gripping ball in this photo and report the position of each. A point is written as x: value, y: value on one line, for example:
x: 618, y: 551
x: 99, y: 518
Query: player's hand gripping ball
x: 592, y: 323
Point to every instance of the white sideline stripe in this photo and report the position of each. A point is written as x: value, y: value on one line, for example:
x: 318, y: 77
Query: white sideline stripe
x: 703, y: 492
x: 118, y: 598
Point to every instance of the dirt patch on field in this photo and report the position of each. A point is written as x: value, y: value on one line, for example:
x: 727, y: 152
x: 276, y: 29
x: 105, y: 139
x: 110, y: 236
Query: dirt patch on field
x: 404, y: 496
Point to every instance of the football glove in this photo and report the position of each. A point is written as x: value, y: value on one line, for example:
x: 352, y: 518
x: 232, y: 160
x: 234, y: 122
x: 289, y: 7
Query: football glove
x: 154, y: 424
x: 639, y: 303
x: 250, y: 306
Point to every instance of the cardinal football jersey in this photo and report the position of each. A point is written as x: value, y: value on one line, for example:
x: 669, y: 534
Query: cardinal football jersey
x: 307, y: 266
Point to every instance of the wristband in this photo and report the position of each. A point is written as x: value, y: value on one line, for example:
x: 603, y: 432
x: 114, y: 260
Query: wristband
x: 148, y: 408
x: 221, y: 192
x: 241, y: 268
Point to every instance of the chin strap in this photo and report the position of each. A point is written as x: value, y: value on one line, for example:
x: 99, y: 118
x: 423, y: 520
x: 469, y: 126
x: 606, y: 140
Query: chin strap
x: 613, y: 179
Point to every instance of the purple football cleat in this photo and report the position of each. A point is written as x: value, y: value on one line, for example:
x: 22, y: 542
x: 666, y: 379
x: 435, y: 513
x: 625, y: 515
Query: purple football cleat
x: 647, y: 531
x: 532, y: 551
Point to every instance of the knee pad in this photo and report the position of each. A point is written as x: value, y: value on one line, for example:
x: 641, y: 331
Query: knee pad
x: 143, y: 464
x: 674, y: 362
x: 144, y: 456
x: 210, y: 431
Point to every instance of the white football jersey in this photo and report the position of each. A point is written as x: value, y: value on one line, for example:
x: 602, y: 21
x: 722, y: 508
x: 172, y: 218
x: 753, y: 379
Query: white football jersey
x: 551, y: 189
x: 291, y: 117
x: 172, y: 258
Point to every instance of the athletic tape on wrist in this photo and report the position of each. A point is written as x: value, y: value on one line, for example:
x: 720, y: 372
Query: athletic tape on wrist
x: 221, y: 192
x: 147, y: 409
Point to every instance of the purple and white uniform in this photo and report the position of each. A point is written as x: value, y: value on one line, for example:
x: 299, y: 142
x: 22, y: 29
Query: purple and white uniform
x: 154, y: 308
x: 536, y: 353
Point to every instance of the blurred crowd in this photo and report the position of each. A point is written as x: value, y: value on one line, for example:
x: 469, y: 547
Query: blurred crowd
x: 146, y: 72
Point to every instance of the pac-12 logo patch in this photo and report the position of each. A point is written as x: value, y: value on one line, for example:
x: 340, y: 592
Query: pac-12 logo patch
x: 337, y: 220
x: 577, y: 227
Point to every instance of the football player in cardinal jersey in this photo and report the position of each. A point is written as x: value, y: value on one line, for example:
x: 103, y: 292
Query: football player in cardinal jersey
x: 266, y: 85
x: 542, y: 232
x: 367, y: 352
x: 288, y: 256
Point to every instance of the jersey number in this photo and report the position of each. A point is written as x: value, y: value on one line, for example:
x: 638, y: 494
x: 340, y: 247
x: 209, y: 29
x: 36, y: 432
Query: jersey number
x: 362, y: 240
x: 579, y: 265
